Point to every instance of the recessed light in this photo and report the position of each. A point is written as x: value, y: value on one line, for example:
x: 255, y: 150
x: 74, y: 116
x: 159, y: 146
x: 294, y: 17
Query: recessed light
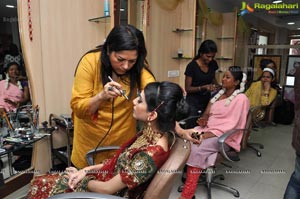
x: 291, y: 23
x: 294, y: 35
x: 122, y: 9
x: 277, y: 1
x: 9, y: 6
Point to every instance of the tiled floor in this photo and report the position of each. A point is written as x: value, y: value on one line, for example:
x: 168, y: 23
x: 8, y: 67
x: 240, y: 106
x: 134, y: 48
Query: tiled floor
x: 268, y: 175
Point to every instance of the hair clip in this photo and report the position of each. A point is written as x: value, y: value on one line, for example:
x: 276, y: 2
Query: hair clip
x: 161, y: 103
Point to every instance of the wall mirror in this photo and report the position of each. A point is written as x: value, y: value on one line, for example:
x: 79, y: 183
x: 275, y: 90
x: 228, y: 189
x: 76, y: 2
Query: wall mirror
x: 10, y: 47
x: 10, y: 55
x: 130, y: 12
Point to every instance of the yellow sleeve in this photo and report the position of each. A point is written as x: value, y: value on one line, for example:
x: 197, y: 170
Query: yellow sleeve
x: 249, y: 91
x: 146, y: 78
x: 86, y: 84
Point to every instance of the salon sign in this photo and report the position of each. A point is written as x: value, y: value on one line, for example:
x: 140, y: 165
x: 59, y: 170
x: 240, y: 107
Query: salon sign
x: 271, y: 8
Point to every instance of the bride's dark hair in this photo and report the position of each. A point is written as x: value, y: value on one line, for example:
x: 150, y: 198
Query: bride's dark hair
x: 167, y: 99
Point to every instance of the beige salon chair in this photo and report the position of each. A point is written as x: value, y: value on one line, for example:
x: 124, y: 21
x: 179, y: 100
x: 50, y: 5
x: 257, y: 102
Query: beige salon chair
x: 162, y: 183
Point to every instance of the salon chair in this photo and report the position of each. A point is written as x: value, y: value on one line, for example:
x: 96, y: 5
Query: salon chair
x: 63, y: 125
x: 224, y: 155
x: 261, y: 116
x: 162, y: 183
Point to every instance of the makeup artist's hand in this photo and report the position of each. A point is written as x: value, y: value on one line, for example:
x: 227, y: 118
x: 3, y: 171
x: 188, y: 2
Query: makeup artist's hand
x: 110, y: 90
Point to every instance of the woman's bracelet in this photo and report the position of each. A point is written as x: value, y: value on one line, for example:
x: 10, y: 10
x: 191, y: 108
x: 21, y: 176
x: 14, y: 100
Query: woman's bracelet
x: 199, y: 88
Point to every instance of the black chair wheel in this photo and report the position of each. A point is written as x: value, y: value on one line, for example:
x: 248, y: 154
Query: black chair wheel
x: 237, y: 195
x: 222, y: 177
x: 258, y: 154
x: 180, y: 188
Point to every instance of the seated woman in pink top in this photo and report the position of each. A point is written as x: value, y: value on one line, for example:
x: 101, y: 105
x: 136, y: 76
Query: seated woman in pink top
x: 227, y: 110
x: 13, y: 91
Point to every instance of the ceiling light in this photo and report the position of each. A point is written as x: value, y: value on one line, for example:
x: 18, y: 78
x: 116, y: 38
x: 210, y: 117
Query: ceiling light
x: 290, y: 23
x: 294, y: 35
x: 122, y: 9
x: 9, y: 6
x: 298, y: 28
x: 277, y: 1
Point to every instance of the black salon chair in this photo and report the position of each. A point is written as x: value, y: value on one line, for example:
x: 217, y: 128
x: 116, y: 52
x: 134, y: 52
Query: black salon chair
x: 261, y: 116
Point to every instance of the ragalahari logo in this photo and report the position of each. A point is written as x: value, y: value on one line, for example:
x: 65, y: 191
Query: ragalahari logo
x: 245, y: 9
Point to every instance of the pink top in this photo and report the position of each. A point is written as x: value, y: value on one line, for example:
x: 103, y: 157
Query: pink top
x: 12, y: 92
x: 224, y: 118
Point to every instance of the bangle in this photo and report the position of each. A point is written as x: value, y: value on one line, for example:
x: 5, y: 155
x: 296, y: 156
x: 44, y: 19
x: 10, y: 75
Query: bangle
x: 199, y: 88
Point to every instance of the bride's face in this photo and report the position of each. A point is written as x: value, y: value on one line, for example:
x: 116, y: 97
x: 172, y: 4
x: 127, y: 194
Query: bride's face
x: 140, y: 108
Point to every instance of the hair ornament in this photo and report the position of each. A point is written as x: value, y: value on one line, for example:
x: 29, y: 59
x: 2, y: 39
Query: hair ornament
x: 19, y: 85
x: 242, y: 84
x: 269, y: 70
x: 7, y: 83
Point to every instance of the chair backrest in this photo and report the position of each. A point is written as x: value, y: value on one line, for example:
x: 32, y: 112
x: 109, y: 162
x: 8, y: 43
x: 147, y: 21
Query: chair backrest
x: 270, y: 110
x: 162, y: 183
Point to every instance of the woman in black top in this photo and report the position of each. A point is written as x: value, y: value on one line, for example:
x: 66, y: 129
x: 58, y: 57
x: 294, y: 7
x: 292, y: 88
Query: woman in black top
x: 200, y: 78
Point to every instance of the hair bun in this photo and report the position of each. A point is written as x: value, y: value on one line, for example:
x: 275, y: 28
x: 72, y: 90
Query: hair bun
x: 182, y: 109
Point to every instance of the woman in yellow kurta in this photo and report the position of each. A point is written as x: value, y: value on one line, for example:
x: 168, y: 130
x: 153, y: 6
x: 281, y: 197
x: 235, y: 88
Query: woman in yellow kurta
x: 261, y: 93
x: 102, y: 115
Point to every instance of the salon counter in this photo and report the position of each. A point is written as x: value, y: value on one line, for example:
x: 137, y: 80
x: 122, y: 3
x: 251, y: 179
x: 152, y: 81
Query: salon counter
x: 40, y: 164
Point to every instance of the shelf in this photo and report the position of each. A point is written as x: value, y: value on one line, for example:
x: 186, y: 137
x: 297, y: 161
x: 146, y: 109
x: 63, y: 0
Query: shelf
x: 223, y: 58
x: 181, y: 30
x: 182, y: 58
x: 99, y: 19
x: 225, y: 37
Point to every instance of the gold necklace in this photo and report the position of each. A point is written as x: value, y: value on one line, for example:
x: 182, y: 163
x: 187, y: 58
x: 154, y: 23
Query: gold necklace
x: 148, y: 137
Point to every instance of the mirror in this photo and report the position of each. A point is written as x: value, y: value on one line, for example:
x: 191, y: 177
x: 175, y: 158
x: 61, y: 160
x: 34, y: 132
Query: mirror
x: 11, y: 52
x: 130, y: 12
x: 10, y: 46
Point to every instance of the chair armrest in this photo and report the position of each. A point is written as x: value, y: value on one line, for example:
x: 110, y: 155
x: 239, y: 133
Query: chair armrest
x: 230, y: 156
x: 183, y: 122
x: 89, y: 154
x: 84, y: 195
